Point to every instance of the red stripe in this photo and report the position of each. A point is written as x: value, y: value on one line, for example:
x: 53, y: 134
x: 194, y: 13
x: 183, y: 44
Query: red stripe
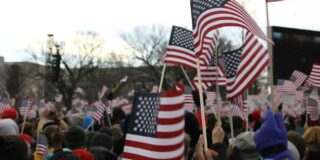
x: 170, y: 134
x: 170, y: 121
x: 171, y: 107
x: 155, y: 148
x: 140, y: 157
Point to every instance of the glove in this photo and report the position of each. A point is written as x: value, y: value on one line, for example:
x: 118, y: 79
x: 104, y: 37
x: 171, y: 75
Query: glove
x: 271, y: 138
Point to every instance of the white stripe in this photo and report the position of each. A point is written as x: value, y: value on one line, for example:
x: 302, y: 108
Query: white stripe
x: 171, y: 100
x: 171, y: 128
x: 170, y: 114
x: 156, y: 141
x: 257, y: 68
x: 153, y: 154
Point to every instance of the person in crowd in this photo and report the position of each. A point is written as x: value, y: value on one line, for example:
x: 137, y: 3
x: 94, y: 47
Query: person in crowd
x: 101, y: 146
x: 13, y: 147
x: 298, y: 141
x: 244, y: 148
x: 311, y: 138
x: 271, y: 138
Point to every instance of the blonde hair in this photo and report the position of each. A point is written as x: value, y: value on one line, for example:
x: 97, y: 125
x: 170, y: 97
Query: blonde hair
x: 312, y: 136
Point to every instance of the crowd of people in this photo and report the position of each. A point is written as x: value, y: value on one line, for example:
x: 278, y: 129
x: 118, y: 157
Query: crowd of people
x: 75, y: 137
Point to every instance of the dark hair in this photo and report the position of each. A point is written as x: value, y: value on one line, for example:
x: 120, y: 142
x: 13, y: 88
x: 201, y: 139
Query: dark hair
x: 13, y: 148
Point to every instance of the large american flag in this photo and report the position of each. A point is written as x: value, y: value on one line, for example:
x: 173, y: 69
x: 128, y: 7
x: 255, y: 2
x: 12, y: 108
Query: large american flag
x: 42, y: 145
x: 209, y: 15
x: 211, y: 74
x: 273, y: 1
x: 156, y: 127
x: 313, y: 109
x: 298, y: 78
x: 244, y: 65
x: 314, y: 77
x: 285, y: 86
x: 25, y: 107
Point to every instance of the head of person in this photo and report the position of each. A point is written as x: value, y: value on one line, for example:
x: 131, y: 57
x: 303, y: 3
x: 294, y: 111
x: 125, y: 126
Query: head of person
x: 245, y: 147
x: 311, y: 138
x: 75, y: 137
x: 10, y: 113
x: 298, y: 142
x: 13, y: 148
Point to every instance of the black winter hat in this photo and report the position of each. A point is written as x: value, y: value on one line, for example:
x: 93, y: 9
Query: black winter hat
x: 102, y: 140
x: 75, y: 137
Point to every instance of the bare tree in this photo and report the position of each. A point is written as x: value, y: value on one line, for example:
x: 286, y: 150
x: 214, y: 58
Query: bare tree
x: 147, y: 45
x: 76, y: 65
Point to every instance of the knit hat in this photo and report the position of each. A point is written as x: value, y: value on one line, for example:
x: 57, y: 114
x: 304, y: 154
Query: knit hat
x: 102, y: 153
x: 27, y: 138
x: 256, y: 115
x: 106, y: 130
x: 102, y: 140
x: 75, y: 137
x: 8, y: 127
x: 10, y: 113
x: 271, y: 138
x: 246, y: 146
x: 83, y: 154
x: 294, y: 153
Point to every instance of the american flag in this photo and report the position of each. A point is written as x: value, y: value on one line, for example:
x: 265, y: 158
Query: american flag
x: 285, y: 86
x: 314, y: 77
x: 244, y: 65
x: 101, y: 108
x: 25, y: 107
x: 298, y: 78
x: 42, y: 145
x: 180, y: 49
x: 156, y: 127
x: 273, y: 1
x: 237, y: 111
x: 188, y: 99
x: 209, y: 15
x: 211, y: 74
x: 4, y: 104
x: 313, y: 109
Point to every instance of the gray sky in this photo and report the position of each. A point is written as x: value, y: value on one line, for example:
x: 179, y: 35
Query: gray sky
x: 24, y: 22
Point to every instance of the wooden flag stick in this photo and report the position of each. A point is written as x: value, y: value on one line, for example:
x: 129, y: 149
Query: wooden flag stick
x: 231, y: 123
x: 25, y: 118
x: 187, y: 77
x: 202, y: 106
x: 307, y: 101
x: 217, y: 89
x: 270, y: 59
x: 162, y: 76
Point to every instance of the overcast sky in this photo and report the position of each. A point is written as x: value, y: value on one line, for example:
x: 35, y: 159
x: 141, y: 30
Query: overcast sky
x: 23, y: 22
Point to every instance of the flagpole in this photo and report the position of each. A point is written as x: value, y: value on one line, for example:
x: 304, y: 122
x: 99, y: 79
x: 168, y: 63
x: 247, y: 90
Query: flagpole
x: 204, y: 132
x: 307, y: 101
x: 217, y: 88
x: 247, y: 112
x: 24, y: 118
x: 231, y: 122
x: 187, y: 77
x: 270, y: 58
x: 162, y: 76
